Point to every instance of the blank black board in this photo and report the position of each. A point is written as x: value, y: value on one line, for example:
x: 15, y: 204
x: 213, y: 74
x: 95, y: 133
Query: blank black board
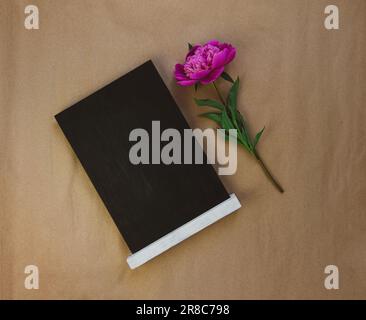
x: 145, y: 201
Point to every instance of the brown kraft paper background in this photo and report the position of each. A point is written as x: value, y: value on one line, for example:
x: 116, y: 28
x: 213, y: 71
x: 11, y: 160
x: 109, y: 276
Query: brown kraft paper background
x: 306, y: 84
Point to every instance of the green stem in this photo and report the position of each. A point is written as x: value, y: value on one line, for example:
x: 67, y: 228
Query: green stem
x: 228, y: 111
x: 253, y: 151
x: 219, y: 94
x: 267, y: 172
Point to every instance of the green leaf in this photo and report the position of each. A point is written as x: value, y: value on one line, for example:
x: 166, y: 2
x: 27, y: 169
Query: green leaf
x: 232, y: 99
x: 190, y: 46
x: 257, y: 137
x: 227, y: 77
x: 244, y: 132
x: 226, y: 122
x: 214, y: 116
x: 196, y: 86
x: 240, y: 118
x: 209, y: 103
x: 243, y: 137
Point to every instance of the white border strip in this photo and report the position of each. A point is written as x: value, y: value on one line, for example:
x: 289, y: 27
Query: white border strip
x: 183, y: 232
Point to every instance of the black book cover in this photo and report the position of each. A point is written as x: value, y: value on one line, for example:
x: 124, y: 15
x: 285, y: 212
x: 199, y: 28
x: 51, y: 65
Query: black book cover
x: 146, y: 201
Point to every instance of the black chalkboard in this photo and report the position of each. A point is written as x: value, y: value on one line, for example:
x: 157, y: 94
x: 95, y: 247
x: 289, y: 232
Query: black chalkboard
x: 145, y: 201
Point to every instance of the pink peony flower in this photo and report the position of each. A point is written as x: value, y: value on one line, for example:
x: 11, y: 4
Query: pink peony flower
x: 204, y: 63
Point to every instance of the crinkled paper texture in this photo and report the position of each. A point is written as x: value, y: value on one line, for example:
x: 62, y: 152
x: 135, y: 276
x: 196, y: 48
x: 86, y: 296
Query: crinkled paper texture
x: 304, y: 83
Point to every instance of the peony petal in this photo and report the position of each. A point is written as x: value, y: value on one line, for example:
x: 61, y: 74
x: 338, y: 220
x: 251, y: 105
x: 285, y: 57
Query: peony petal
x: 192, y: 51
x: 187, y: 82
x: 215, y: 43
x: 219, y: 59
x: 199, y: 74
x: 179, y: 72
x: 213, y: 75
x: 225, y: 45
x: 231, y: 55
